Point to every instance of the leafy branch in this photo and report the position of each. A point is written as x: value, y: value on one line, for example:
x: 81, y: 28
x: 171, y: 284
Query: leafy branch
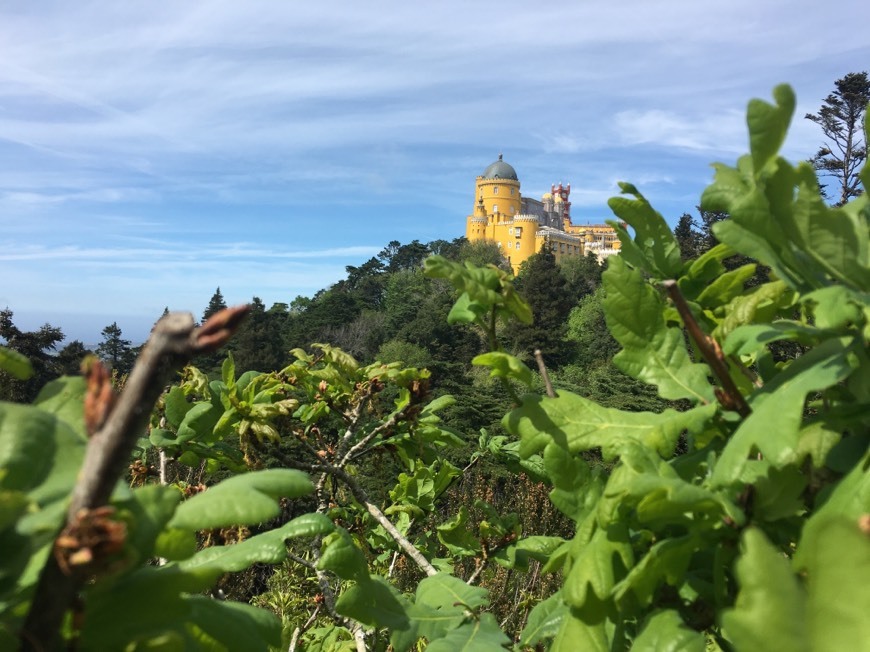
x: 115, y: 424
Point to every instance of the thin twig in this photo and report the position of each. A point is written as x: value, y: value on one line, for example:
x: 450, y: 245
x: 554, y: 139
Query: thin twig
x: 352, y: 423
x: 299, y: 560
x: 482, y: 563
x: 173, y: 342
x: 542, y: 368
x: 362, y: 497
x: 362, y: 443
x: 730, y: 397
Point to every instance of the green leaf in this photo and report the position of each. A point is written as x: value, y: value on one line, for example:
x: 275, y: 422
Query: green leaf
x: 726, y: 287
x: 760, y: 304
x: 836, y: 307
x: 503, y: 365
x: 235, y: 625
x: 340, y: 555
x: 151, y: 507
x: 479, y: 635
x: 768, y: 125
x: 162, y: 438
x: 666, y: 561
x: 143, y: 604
x: 200, y: 423
x: 654, y: 239
x: 751, y: 338
x: 519, y: 554
x: 12, y: 505
x: 177, y: 406
x: 241, y: 500
x: 544, y: 620
x: 174, y: 545
x: 439, y: 606
x: 665, y: 631
x: 39, y: 453
x: 578, y: 424
x: 594, y: 572
x: 375, y: 603
x: 779, y: 494
x: 442, y: 590
x: 849, y: 498
x: 577, y: 634
x: 773, y: 427
x: 652, y: 352
x: 15, y: 364
x: 228, y: 371
x: 835, y: 239
x: 838, y: 574
x: 268, y: 547
x: 457, y: 537
x: 817, y: 440
x: 575, y: 492
x: 465, y: 311
x: 65, y: 399
x: 659, y: 495
x: 770, y: 610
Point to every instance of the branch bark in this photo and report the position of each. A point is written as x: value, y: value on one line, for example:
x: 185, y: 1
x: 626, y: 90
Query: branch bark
x: 729, y: 396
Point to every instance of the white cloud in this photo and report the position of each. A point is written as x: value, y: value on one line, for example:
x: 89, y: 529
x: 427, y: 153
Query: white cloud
x: 264, y: 138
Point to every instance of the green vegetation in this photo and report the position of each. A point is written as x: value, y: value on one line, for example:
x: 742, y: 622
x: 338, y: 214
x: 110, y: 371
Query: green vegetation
x: 695, y: 477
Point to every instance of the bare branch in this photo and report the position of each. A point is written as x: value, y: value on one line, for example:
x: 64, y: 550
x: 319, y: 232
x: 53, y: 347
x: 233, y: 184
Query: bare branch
x: 542, y: 368
x: 362, y: 497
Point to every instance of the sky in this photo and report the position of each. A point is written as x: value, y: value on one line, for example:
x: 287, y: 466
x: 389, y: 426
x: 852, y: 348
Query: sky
x: 152, y: 152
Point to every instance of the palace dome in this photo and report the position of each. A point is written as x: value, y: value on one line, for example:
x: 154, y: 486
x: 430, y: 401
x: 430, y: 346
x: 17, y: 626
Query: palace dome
x: 500, y: 170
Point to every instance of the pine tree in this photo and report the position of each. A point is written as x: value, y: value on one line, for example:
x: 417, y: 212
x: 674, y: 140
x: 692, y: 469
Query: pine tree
x: 115, y: 350
x: 37, y: 347
x: 840, y: 118
x: 687, y: 237
x: 258, y: 345
x: 542, y: 285
x: 215, y: 304
x: 69, y: 358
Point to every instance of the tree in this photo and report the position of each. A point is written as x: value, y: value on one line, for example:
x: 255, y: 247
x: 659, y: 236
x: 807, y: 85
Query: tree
x: 545, y: 289
x: 215, y: 304
x: 69, y: 358
x: 257, y: 344
x: 483, y: 252
x: 37, y: 346
x: 687, y: 237
x: 840, y: 119
x: 115, y: 350
x: 582, y: 273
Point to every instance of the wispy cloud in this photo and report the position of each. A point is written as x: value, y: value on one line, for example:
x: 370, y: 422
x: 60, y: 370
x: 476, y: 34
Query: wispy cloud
x: 266, y: 137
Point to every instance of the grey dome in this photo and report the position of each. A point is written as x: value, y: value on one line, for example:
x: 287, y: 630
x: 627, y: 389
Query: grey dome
x: 500, y: 170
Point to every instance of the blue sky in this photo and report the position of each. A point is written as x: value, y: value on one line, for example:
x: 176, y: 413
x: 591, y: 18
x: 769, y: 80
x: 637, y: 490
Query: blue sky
x: 150, y: 152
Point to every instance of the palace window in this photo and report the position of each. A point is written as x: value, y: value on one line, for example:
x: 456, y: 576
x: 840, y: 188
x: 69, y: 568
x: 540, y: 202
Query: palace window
x: 495, y: 208
x: 518, y: 231
x: 495, y: 190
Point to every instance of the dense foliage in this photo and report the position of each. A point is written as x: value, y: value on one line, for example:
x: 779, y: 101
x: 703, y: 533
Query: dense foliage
x: 725, y: 506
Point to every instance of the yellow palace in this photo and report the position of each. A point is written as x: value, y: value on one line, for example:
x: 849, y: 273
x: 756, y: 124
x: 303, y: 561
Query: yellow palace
x: 522, y: 226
